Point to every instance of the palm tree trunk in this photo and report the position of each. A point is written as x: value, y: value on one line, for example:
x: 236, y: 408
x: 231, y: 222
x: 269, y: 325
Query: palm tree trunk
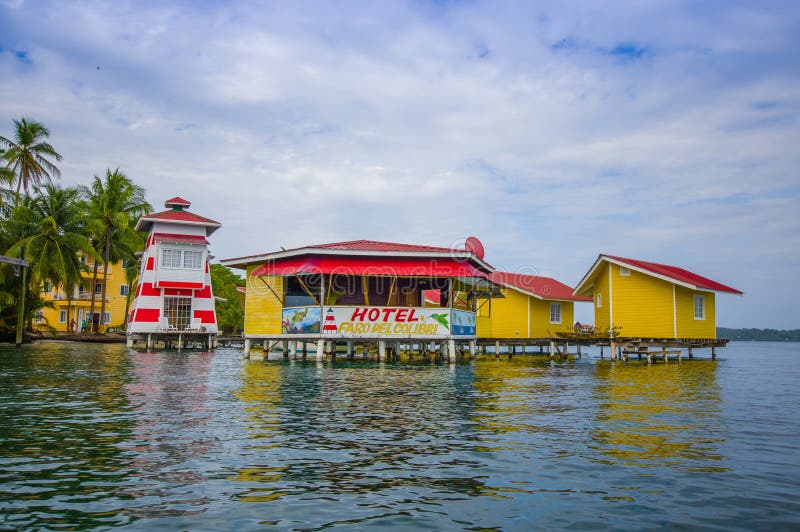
x: 91, y: 305
x: 106, y: 257
x: 127, y: 308
x: 69, y: 304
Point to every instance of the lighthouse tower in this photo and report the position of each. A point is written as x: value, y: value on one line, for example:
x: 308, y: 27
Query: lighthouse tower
x: 173, y: 294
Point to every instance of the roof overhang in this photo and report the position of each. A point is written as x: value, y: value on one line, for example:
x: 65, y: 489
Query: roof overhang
x: 144, y: 224
x: 369, y: 265
x: 243, y: 262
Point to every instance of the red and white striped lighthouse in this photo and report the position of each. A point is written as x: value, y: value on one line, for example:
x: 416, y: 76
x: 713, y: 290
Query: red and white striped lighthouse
x: 173, y: 294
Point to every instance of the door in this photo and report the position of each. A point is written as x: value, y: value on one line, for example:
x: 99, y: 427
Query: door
x: 178, y: 311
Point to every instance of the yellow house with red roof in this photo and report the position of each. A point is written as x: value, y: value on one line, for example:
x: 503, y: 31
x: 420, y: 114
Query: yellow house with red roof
x: 532, y: 306
x: 639, y: 299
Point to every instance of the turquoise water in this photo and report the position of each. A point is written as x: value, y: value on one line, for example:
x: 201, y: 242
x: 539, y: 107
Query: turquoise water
x: 102, y: 436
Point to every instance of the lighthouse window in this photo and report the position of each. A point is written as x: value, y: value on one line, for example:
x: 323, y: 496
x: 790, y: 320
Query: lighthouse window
x: 191, y: 260
x: 171, y: 258
x: 181, y: 258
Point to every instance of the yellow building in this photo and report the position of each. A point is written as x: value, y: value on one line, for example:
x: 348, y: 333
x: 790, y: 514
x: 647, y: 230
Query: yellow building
x: 531, y: 307
x: 639, y: 299
x: 80, y: 303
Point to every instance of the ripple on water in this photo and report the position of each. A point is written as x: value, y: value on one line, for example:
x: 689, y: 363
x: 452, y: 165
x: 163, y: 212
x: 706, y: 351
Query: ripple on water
x: 100, y: 436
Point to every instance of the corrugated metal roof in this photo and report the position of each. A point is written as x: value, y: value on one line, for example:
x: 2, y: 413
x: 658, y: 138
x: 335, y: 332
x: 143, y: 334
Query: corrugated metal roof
x: 179, y: 216
x: 679, y: 274
x: 375, y: 245
x: 180, y: 239
x: 544, y: 287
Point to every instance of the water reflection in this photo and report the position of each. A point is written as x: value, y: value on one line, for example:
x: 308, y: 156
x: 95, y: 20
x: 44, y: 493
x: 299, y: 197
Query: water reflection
x: 338, y: 429
x: 62, y: 420
x: 664, y: 415
x: 168, y: 396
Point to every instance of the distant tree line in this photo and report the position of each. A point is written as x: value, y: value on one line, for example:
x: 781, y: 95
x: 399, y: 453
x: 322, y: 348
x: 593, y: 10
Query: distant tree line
x: 762, y: 335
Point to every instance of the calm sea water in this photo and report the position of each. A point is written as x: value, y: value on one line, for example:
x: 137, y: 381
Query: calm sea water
x: 103, y: 436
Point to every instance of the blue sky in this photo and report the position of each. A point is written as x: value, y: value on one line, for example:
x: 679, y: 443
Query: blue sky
x: 665, y: 131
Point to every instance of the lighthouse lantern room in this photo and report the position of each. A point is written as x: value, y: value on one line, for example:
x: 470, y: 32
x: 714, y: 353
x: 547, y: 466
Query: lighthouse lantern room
x: 173, y: 294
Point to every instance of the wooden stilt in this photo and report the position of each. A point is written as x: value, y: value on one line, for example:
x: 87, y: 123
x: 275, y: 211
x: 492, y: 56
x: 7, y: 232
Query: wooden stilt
x: 552, y: 350
x: 691, y: 354
x: 382, y: 350
x: 613, y: 350
x: 320, y: 350
x: 473, y: 348
x: 451, y: 351
x: 664, y: 354
x: 292, y: 350
x: 247, y: 344
x: 350, y: 355
x: 497, y: 349
x: 601, y: 351
x: 713, y: 353
x: 396, y: 354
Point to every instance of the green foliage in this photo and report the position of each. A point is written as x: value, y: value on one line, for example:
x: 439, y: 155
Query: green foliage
x: 28, y: 155
x: 230, y: 314
x: 762, y: 335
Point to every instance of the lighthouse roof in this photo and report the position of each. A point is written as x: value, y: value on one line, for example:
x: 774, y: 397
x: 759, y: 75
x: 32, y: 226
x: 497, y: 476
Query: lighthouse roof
x: 177, y: 215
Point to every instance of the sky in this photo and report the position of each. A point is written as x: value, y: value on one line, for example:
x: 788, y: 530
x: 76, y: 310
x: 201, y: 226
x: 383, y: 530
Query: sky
x: 552, y: 131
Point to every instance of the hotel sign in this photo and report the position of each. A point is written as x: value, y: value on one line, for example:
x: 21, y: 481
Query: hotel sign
x: 359, y: 321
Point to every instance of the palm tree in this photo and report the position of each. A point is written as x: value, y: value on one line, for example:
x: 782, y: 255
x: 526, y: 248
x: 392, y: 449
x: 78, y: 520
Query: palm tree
x: 115, y: 203
x: 52, y: 229
x: 28, y: 155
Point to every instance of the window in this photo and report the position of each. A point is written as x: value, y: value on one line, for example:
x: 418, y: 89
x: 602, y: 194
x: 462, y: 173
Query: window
x: 191, y: 260
x: 555, y: 312
x: 62, y: 316
x: 699, y: 307
x: 48, y: 286
x: 98, y: 288
x: 178, y: 258
x: 126, y: 263
x: 178, y: 311
x: 107, y: 318
x: 123, y: 289
x: 599, y: 300
x: 624, y: 272
x: 171, y: 258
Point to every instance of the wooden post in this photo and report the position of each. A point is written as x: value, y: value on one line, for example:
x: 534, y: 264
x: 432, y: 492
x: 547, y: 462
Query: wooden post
x: 451, y: 351
x: 601, y: 351
x: 180, y: 341
x: 397, y: 351
x: 613, y: 350
x: 305, y: 350
x: 382, y: 350
x: 713, y: 353
x: 292, y: 350
x: 552, y: 349
x: 284, y: 348
x: 579, y: 350
x: 664, y: 354
x: 149, y: 341
x: 247, y: 347
x: 350, y: 355
x: 691, y: 354
x: 473, y: 348
x: 320, y: 350
x: 497, y: 349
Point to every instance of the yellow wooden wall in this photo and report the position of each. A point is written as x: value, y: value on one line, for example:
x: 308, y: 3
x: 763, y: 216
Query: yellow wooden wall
x: 642, y: 304
x: 509, y: 317
x: 540, y: 317
x: 263, y: 311
x: 688, y: 327
x: 601, y: 314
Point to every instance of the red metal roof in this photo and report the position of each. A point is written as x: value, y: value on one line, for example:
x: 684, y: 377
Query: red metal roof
x: 179, y: 216
x: 177, y: 200
x: 679, y: 274
x: 544, y: 287
x: 374, y: 245
x: 384, y: 266
x: 180, y: 239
